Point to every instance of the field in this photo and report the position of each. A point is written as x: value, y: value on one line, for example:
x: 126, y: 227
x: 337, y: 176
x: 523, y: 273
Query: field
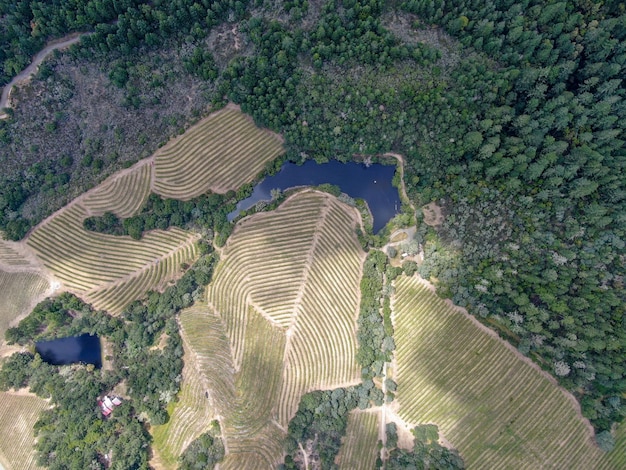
x: 191, y: 415
x: 20, y: 291
x: 18, y: 414
x: 222, y: 152
x: 107, y: 270
x: 123, y: 194
x: 359, y: 450
x: 493, y: 406
x: 280, y: 321
x: 300, y: 267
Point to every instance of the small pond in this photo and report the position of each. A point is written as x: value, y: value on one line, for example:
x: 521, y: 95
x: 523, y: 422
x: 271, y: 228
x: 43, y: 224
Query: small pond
x: 371, y: 183
x: 84, y: 348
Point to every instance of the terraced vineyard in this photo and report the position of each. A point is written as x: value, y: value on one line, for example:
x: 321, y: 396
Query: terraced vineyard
x: 358, y: 450
x: 493, y: 406
x: 18, y: 414
x: 20, y: 292
x: 152, y: 276
x: 123, y: 193
x: 299, y: 266
x: 243, y: 399
x: 280, y: 321
x: 85, y: 262
x: 191, y: 415
x: 220, y: 153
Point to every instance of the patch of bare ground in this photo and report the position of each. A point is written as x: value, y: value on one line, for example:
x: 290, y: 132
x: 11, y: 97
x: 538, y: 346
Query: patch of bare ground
x: 226, y: 42
x: 401, y: 24
x: 402, y: 188
x: 160, y: 346
x: 519, y: 355
x: 107, y: 354
x: 432, y: 214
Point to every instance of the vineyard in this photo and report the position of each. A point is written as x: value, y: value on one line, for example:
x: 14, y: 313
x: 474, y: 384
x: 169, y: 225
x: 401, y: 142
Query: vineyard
x: 105, y: 269
x: 123, y: 194
x: 359, y: 450
x: 220, y: 153
x: 12, y: 255
x: 299, y: 266
x: 191, y: 414
x: 20, y: 291
x: 493, y: 406
x: 280, y: 321
x: 18, y: 414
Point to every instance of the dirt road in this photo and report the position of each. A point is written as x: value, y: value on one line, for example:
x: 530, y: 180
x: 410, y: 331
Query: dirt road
x: 26, y: 74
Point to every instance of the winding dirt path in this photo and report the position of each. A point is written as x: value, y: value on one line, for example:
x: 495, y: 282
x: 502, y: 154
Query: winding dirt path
x: 29, y: 71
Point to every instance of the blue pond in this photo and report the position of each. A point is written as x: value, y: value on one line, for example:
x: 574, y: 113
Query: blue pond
x: 371, y: 183
x: 83, y: 348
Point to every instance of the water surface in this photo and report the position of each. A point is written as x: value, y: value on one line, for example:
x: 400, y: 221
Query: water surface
x: 84, y: 348
x: 371, y: 183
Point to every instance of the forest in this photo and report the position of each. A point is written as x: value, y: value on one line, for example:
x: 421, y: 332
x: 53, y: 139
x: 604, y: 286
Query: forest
x: 510, y: 115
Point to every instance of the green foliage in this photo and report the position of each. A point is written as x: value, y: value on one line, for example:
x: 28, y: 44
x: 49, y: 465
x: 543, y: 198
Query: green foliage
x: 16, y: 371
x: 372, y: 332
x: 427, y: 452
x: 56, y: 317
x: 204, y: 452
x: 209, y: 211
x: 526, y: 152
x: 321, y: 421
x: 202, y: 64
x: 409, y: 268
x: 605, y: 441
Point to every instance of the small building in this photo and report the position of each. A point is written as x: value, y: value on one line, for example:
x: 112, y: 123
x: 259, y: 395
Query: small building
x: 108, y: 404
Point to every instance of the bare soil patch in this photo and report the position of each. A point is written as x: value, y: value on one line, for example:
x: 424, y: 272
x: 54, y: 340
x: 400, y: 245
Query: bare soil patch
x: 432, y: 215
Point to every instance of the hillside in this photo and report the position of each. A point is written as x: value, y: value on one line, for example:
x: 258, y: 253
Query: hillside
x: 123, y: 156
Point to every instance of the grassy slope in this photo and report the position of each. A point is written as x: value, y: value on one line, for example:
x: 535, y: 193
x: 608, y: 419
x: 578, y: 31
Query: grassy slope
x: 494, y: 407
x: 358, y: 450
x: 17, y: 418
